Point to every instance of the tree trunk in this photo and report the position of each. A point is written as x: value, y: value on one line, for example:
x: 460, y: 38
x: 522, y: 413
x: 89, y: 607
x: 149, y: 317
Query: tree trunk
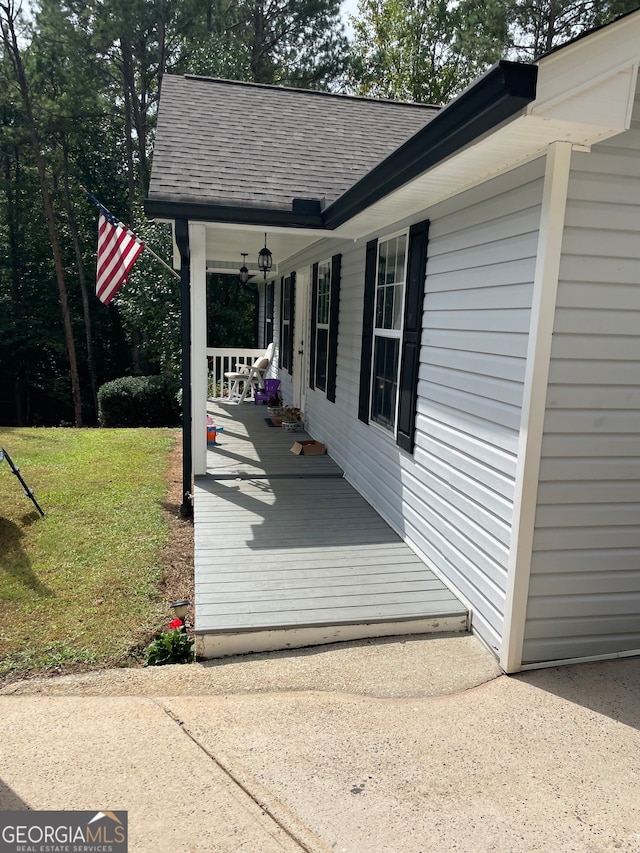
x: 137, y: 113
x: 128, y: 126
x: 16, y: 268
x: 75, y: 239
x: 257, y: 46
x: 162, y: 56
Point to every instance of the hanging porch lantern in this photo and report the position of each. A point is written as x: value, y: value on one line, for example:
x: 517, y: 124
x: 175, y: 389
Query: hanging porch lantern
x: 265, y: 259
x: 243, y: 273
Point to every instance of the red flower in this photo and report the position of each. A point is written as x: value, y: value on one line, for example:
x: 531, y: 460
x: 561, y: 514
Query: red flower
x: 175, y: 623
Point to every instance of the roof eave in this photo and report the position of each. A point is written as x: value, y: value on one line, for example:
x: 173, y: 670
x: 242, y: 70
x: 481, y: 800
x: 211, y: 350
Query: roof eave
x: 502, y: 92
x: 298, y: 216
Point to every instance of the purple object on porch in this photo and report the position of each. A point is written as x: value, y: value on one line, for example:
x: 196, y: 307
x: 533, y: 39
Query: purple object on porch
x: 269, y: 390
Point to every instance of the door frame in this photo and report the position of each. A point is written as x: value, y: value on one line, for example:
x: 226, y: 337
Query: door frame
x: 301, y: 342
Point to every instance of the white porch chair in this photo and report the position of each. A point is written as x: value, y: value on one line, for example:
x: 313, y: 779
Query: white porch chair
x: 249, y: 378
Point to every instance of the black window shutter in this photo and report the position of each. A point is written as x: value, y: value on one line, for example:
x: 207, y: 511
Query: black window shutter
x: 412, y: 333
x: 292, y: 326
x: 334, y: 312
x: 314, y: 326
x: 367, y: 329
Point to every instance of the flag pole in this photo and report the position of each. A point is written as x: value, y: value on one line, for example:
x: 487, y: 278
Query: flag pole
x: 164, y: 263
x: 151, y: 252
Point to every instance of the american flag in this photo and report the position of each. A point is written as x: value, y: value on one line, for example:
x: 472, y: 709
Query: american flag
x: 118, y: 250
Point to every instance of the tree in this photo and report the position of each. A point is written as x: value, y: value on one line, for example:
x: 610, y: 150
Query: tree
x: 540, y: 25
x: 424, y: 50
x: 283, y: 42
x: 297, y: 43
x: 69, y: 97
x: 8, y: 19
x: 429, y: 50
x: 231, y: 320
x: 124, y: 39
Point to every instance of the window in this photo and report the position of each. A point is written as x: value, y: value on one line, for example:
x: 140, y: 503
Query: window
x: 268, y: 313
x: 325, y: 306
x: 286, y: 339
x: 394, y: 282
x: 387, y: 330
x: 322, y: 325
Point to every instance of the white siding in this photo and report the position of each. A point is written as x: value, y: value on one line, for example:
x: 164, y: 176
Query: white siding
x: 459, y: 487
x: 453, y: 499
x: 584, y: 594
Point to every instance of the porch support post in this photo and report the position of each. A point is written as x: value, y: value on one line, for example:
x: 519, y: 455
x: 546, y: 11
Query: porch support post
x: 199, y: 378
x: 545, y: 288
x: 182, y: 241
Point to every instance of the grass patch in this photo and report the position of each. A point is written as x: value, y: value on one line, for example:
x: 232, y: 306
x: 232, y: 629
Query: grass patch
x: 81, y: 585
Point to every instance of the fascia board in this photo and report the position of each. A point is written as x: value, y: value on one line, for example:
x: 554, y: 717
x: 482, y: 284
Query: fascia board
x: 597, y: 107
x: 197, y: 212
x: 497, y: 96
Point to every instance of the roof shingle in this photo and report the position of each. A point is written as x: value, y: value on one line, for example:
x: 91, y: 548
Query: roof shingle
x: 230, y: 143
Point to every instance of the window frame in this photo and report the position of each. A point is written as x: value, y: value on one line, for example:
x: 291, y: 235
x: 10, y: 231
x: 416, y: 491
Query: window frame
x: 321, y: 322
x: 287, y: 303
x: 393, y: 332
x: 416, y: 275
x: 327, y: 322
x: 269, y: 309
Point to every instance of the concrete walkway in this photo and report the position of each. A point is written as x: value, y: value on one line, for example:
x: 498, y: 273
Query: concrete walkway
x: 409, y: 746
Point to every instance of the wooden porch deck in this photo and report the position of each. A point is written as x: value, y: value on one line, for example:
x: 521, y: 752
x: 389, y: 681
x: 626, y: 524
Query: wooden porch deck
x: 288, y: 554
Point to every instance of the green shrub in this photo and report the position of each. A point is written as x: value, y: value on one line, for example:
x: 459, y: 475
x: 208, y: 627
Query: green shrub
x: 172, y: 646
x: 139, y: 401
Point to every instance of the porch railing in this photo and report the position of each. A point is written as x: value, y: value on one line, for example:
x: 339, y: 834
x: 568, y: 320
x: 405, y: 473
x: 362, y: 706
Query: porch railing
x: 220, y: 361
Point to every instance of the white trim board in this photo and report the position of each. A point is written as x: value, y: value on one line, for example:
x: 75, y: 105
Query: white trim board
x: 545, y: 287
x: 223, y: 644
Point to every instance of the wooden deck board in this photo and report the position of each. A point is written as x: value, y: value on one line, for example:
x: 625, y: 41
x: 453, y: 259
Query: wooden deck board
x: 229, y: 571
x: 283, y: 541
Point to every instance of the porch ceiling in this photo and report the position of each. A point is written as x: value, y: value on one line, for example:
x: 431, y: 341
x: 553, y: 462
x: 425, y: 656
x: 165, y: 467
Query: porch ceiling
x: 227, y: 241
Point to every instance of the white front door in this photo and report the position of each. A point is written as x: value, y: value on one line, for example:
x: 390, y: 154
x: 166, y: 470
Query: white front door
x: 300, y: 340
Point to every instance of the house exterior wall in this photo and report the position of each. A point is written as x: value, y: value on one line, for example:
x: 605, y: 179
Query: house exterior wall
x: 480, y: 272
x: 452, y: 500
x: 584, y: 593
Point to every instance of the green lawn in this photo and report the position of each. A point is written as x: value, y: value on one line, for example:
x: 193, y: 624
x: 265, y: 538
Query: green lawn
x: 81, y: 584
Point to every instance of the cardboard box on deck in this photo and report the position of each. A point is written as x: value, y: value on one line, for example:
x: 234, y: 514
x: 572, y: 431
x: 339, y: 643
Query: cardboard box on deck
x: 309, y: 448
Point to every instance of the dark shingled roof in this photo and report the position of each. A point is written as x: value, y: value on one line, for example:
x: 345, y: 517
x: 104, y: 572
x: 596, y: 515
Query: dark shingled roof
x: 229, y: 143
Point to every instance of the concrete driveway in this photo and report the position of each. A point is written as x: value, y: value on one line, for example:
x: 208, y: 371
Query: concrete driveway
x: 416, y: 745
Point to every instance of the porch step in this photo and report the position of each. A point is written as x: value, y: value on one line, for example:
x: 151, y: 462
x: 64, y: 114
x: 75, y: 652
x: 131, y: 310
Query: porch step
x: 222, y: 644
